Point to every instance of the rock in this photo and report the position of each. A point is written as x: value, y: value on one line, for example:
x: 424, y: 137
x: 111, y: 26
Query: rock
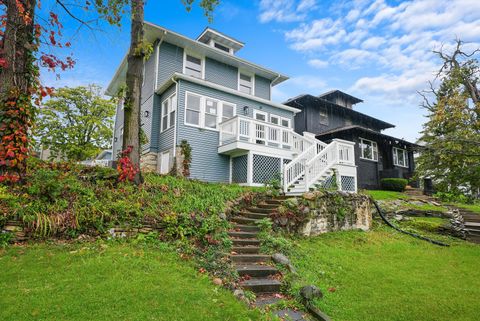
x: 310, y: 292
x: 223, y: 216
x: 283, y: 260
x: 399, y: 217
x: 217, y: 281
x: 238, y: 293
x: 309, y: 196
x: 306, y: 210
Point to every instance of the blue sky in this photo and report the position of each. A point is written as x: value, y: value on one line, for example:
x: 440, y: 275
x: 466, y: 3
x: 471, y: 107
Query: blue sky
x: 376, y: 50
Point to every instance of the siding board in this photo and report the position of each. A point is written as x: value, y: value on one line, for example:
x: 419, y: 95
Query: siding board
x: 221, y: 74
x: 262, y: 87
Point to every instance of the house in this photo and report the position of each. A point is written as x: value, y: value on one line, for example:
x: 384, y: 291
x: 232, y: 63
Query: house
x: 331, y: 116
x: 200, y: 91
x: 103, y: 159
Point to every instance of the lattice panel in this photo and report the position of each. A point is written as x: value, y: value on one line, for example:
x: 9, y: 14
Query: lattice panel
x: 329, y: 182
x: 239, y: 169
x: 347, y: 183
x: 265, y: 168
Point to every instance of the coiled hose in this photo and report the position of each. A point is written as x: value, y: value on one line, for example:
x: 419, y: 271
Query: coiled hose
x: 379, y: 210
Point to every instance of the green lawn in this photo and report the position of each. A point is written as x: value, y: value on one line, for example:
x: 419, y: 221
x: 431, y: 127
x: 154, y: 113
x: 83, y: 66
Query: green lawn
x: 471, y: 207
x: 109, y: 281
x: 382, y: 275
x: 385, y: 195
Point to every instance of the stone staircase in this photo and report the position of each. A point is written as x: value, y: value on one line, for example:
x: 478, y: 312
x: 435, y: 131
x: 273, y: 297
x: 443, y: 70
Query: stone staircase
x: 256, y: 270
x: 472, y: 225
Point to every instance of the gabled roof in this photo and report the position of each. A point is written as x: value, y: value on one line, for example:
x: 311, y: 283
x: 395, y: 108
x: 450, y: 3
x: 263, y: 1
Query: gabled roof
x: 300, y: 100
x: 154, y: 32
x: 335, y: 93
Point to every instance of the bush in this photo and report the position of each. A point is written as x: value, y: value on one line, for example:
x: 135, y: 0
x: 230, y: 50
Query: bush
x: 393, y: 184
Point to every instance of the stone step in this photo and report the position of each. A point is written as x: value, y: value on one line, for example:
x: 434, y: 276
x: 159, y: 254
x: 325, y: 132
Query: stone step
x: 245, y: 220
x: 254, y: 215
x: 261, y: 285
x: 255, y: 270
x: 281, y: 197
x: 259, y: 210
x: 473, y: 231
x: 243, y: 235
x: 245, y: 228
x: 471, y: 218
x: 473, y: 238
x: 268, y: 206
x: 254, y: 258
x: 246, y: 249
x: 245, y: 242
x: 472, y: 224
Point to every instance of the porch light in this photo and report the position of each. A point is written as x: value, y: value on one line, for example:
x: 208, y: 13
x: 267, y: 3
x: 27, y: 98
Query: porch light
x: 245, y: 110
x: 115, y: 139
x: 146, y: 113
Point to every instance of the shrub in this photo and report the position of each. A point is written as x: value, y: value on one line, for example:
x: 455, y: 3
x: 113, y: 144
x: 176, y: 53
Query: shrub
x: 393, y: 184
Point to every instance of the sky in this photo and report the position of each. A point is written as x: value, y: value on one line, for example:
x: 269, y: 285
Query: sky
x: 379, y: 51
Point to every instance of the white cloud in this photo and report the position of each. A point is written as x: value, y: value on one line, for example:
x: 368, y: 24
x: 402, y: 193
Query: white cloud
x: 318, y: 63
x: 306, y: 84
x: 285, y: 10
x: 373, y: 42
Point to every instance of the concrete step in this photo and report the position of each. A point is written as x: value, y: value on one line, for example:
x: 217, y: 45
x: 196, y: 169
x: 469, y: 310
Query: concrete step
x: 245, y: 228
x: 255, y: 270
x: 245, y: 242
x: 259, y: 210
x: 245, y: 220
x: 246, y: 249
x: 261, y: 285
x: 254, y: 215
x: 243, y: 235
x: 253, y: 258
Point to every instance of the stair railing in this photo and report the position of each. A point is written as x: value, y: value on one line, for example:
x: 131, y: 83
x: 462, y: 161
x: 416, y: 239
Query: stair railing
x: 319, y: 164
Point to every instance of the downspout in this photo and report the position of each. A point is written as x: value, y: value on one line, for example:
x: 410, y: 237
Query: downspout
x: 176, y: 120
x: 155, y: 85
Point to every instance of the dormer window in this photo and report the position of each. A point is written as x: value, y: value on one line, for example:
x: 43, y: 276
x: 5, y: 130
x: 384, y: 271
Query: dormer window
x: 193, y: 66
x: 245, y: 84
x: 221, y: 47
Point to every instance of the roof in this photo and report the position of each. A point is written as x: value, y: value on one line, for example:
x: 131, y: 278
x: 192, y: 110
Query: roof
x: 210, y: 33
x: 352, y: 128
x: 336, y: 92
x: 154, y: 32
x: 380, y: 123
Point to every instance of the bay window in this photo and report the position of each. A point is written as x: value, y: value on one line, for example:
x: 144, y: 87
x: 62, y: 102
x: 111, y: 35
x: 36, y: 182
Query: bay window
x: 369, y: 149
x: 400, y: 157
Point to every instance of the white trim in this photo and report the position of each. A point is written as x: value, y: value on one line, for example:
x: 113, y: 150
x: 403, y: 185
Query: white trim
x: 223, y: 89
x: 249, y: 168
x: 374, y: 149
x: 233, y: 148
x: 167, y: 164
x: 220, y: 35
x: 395, y: 157
x: 260, y: 112
x: 231, y: 168
x: 170, y: 109
x: 288, y: 120
x: 194, y: 55
x: 252, y: 81
x: 157, y: 59
x: 143, y: 78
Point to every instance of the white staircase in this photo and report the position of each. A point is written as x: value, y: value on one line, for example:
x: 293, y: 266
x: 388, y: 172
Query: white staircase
x: 317, y: 163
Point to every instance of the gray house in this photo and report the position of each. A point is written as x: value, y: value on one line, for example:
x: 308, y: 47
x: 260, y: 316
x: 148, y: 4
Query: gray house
x: 200, y: 91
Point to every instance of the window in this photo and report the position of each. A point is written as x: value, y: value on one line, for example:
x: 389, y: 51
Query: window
x: 259, y: 115
x: 245, y: 84
x: 169, y: 106
x: 206, y: 112
x: 323, y: 117
x: 193, y: 109
x: 369, y: 149
x: 193, y: 66
x: 400, y: 157
x: 275, y: 119
x: 221, y: 47
x: 286, y: 122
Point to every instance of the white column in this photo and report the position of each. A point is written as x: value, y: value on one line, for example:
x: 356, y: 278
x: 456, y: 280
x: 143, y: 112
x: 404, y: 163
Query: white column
x: 250, y: 168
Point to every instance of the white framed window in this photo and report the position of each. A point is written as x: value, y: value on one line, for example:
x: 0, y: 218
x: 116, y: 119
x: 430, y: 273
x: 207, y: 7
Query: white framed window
x: 259, y: 115
x: 221, y: 47
x: 285, y: 122
x: 323, y: 117
x: 169, y: 107
x: 400, y: 157
x: 245, y: 83
x: 369, y: 149
x: 274, y: 119
x: 193, y: 66
x: 207, y: 112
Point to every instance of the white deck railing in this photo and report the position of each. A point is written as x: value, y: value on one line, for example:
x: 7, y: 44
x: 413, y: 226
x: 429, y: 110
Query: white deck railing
x: 249, y: 130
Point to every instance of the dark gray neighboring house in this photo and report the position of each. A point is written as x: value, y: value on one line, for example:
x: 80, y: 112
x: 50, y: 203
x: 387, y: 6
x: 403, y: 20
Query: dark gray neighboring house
x: 331, y: 116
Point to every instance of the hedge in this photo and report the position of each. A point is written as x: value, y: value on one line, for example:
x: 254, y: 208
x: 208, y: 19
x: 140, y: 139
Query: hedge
x: 393, y: 184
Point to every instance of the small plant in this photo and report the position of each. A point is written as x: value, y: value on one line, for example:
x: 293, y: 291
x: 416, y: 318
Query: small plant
x: 186, y: 151
x: 274, y: 186
x: 5, y: 239
x: 394, y: 184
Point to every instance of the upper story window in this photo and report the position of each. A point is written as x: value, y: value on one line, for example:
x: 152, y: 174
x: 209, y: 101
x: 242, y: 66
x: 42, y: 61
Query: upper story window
x: 169, y: 106
x: 221, y: 47
x: 324, y: 117
x: 245, y: 84
x: 369, y: 149
x: 280, y: 121
x: 400, y: 157
x: 259, y: 115
x: 193, y: 66
x: 206, y: 112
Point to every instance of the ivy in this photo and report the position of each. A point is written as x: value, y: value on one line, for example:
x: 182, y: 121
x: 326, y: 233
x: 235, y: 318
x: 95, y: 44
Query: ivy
x: 186, y: 151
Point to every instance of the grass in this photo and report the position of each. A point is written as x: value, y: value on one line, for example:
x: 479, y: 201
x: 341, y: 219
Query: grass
x: 428, y: 224
x: 109, y: 281
x: 385, y: 195
x: 471, y: 207
x: 382, y: 275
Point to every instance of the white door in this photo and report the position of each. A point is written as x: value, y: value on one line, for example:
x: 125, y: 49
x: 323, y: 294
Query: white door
x: 164, y: 163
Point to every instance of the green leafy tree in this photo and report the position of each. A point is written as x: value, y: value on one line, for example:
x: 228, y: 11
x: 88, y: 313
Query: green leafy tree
x: 77, y: 123
x: 451, y: 155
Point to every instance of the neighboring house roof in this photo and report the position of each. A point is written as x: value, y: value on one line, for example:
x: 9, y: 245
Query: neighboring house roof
x: 380, y: 123
x: 154, y: 32
x: 355, y: 128
x: 162, y: 87
x: 335, y: 93
x: 104, y: 154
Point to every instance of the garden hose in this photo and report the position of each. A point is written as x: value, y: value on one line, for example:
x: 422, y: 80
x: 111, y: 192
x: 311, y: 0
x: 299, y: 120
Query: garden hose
x: 379, y: 210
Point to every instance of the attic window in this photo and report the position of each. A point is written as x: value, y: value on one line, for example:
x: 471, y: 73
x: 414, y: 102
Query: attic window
x: 193, y: 66
x: 245, y: 84
x: 221, y: 47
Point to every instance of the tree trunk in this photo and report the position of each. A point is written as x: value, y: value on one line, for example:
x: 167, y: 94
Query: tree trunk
x: 131, y: 126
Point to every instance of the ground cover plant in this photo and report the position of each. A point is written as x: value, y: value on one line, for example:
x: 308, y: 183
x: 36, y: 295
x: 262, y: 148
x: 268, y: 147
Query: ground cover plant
x: 110, y: 281
x: 384, y: 275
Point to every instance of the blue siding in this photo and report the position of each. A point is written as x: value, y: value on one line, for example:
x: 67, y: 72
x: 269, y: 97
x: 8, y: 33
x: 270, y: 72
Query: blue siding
x: 170, y: 61
x: 220, y: 73
x: 161, y: 141
x: 262, y: 87
x: 146, y: 122
x: 149, y: 76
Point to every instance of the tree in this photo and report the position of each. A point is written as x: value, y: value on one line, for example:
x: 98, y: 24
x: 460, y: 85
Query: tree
x: 138, y: 52
x: 77, y: 123
x: 451, y: 155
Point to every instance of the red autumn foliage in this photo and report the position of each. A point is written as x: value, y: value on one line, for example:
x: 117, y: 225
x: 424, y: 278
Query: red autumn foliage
x: 125, y: 168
